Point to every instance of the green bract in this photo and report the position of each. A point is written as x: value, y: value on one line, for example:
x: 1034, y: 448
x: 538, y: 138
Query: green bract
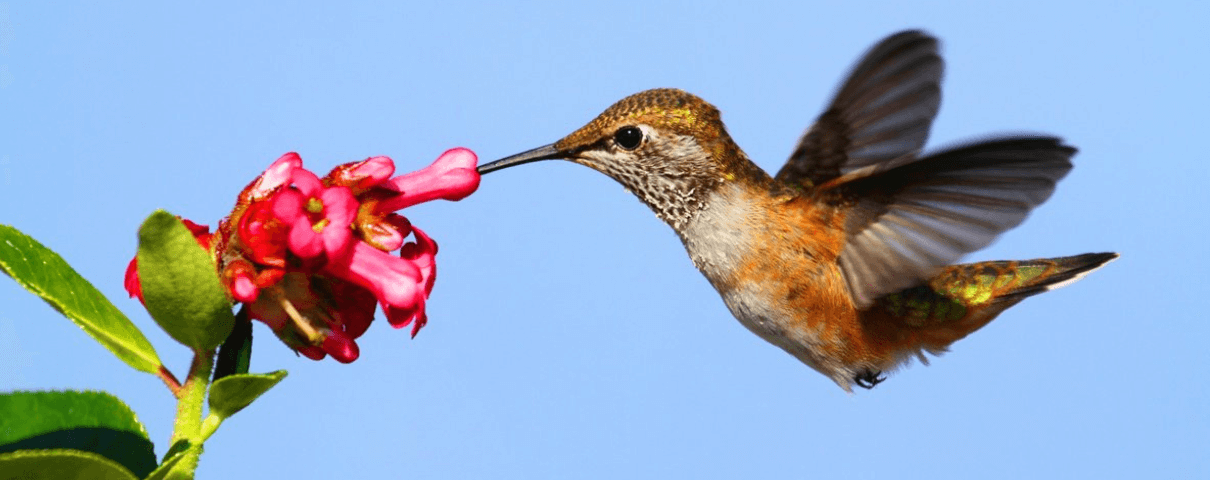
x: 232, y: 393
x: 180, y: 287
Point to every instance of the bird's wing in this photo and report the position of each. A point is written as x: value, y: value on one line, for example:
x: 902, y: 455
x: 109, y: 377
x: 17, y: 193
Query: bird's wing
x: 882, y: 112
x: 908, y: 219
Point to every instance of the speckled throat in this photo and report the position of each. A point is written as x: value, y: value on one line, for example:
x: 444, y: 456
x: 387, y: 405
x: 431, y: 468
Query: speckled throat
x: 685, y: 153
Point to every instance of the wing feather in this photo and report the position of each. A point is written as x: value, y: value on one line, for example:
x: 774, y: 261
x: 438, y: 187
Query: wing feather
x: 883, y: 111
x: 907, y: 222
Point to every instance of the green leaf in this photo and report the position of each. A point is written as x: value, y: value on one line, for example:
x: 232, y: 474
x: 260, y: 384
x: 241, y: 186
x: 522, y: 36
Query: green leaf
x: 60, y: 465
x: 177, y: 448
x: 47, y: 275
x: 235, y: 355
x: 94, y: 422
x: 232, y: 393
x: 181, y: 288
x: 175, y: 465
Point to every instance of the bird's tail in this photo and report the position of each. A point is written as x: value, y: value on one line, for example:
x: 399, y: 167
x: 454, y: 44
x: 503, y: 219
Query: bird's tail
x: 964, y: 298
x: 1010, y: 281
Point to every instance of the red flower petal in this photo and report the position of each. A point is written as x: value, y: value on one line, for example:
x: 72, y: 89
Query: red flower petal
x: 278, y: 174
x: 131, y: 282
x: 341, y: 348
x: 314, y: 353
x: 451, y: 177
x: 306, y: 182
x: 363, y: 175
x: 244, y: 289
x: 340, y: 207
x: 263, y: 235
x: 394, y: 281
x: 423, y: 254
x: 304, y: 242
x: 354, y: 310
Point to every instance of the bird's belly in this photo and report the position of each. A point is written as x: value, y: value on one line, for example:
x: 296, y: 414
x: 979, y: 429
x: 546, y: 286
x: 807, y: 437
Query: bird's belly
x: 778, y: 276
x: 807, y: 339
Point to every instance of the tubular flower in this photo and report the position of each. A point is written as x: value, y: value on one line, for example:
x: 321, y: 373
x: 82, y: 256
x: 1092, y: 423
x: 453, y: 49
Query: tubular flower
x: 310, y: 257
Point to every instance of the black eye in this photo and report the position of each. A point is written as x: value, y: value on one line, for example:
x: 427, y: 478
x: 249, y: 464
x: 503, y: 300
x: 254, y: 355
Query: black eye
x: 628, y: 138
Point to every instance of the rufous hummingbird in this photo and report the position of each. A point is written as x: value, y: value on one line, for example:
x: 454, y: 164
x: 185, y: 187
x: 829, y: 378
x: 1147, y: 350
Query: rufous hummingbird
x: 843, y: 258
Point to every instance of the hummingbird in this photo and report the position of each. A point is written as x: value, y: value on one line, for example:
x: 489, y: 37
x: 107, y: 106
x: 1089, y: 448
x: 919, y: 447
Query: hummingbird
x: 844, y: 257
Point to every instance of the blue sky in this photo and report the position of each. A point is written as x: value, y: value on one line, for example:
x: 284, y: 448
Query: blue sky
x: 569, y: 334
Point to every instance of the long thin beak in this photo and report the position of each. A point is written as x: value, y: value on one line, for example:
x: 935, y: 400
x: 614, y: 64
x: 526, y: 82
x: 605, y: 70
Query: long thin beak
x: 547, y: 152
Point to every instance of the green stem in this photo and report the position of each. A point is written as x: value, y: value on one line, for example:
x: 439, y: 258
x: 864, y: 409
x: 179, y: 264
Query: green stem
x: 192, y: 395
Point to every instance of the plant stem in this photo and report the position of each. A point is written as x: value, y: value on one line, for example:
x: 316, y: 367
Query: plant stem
x: 191, y: 396
x: 170, y: 380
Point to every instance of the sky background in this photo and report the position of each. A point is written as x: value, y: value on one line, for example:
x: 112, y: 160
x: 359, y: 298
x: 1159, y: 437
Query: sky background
x: 570, y: 336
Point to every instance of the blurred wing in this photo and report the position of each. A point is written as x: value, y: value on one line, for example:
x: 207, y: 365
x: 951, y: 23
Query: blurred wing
x: 883, y: 111
x: 909, y: 220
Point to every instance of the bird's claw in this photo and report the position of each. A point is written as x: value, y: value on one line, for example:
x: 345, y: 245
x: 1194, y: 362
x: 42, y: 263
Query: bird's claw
x: 869, y: 379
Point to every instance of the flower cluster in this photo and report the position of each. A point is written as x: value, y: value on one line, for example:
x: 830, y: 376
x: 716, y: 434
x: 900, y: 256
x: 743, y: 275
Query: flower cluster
x: 309, y: 256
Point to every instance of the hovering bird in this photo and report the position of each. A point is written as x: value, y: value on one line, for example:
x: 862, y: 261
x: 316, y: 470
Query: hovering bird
x: 843, y: 259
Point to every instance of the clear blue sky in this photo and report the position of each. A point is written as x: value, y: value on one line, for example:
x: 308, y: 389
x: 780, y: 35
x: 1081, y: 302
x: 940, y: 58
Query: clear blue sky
x: 569, y: 334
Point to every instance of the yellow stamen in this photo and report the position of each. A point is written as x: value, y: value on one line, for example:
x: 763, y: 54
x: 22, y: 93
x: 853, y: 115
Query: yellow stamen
x: 319, y: 226
x: 314, y: 205
x: 305, y: 327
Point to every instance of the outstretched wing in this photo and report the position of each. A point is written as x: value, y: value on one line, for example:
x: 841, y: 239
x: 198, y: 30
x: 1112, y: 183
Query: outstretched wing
x: 882, y: 112
x: 906, y: 221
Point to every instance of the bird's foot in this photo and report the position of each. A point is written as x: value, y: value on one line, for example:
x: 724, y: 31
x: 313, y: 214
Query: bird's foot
x: 868, y: 379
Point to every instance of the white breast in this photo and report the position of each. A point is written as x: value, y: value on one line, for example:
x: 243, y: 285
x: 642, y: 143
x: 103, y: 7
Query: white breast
x: 719, y: 235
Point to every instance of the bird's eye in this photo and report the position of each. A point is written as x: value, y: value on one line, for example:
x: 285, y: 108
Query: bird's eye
x: 628, y: 137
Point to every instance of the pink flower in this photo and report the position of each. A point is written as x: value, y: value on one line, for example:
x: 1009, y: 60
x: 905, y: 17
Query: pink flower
x: 319, y: 217
x: 451, y: 177
x: 422, y: 254
x: 309, y: 256
x: 362, y: 176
